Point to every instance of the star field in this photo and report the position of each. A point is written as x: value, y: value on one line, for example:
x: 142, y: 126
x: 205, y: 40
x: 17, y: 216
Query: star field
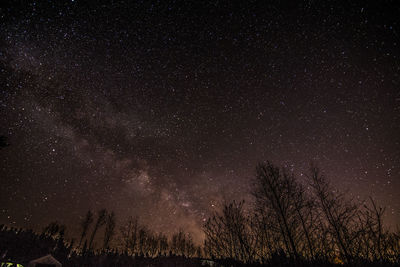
x: 162, y: 109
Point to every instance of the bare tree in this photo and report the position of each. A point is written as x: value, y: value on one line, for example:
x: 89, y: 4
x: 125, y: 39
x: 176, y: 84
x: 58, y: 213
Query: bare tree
x: 276, y: 193
x: 178, y: 243
x: 340, y: 214
x: 129, y: 234
x: 304, y: 208
x: 162, y: 243
x: 152, y: 244
x: 375, y: 240
x: 392, y: 246
x: 85, y: 223
x: 110, y: 230
x: 101, y: 220
x: 143, y: 235
x: 319, y: 224
x: 229, y: 235
x: 190, y: 249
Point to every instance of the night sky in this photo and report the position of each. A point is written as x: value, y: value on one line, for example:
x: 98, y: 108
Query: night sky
x: 162, y: 109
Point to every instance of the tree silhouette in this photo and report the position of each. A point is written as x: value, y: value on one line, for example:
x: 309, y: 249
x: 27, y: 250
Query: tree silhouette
x: 101, y: 220
x: 326, y: 229
x: 85, y: 223
x: 162, y: 243
x: 339, y: 213
x: 229, y: 235
x: 289, y: 225
x: 110, y: 230
x: 276, y: 192
x: 129, y: 233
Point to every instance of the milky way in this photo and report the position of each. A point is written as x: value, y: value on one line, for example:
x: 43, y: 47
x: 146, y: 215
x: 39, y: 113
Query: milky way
x: 162, y: 110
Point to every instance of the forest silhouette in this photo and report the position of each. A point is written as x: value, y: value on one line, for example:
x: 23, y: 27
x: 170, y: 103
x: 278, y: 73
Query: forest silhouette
x: 290, y: 222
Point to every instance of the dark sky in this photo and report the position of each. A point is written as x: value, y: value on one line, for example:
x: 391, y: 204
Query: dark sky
x: 162, y: 109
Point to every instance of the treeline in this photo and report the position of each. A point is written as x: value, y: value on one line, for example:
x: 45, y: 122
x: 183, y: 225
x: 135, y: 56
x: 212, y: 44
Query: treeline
x: 139, y: 247
x: 296, y: 222
x: 134, y: 239
x: 290, y: 221
x: 100, y: 243
x: 137, y: 239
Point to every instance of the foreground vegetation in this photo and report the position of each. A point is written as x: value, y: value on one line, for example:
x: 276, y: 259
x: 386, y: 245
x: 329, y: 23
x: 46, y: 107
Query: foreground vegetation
x: 291, y: 222
x: 301, y: 221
